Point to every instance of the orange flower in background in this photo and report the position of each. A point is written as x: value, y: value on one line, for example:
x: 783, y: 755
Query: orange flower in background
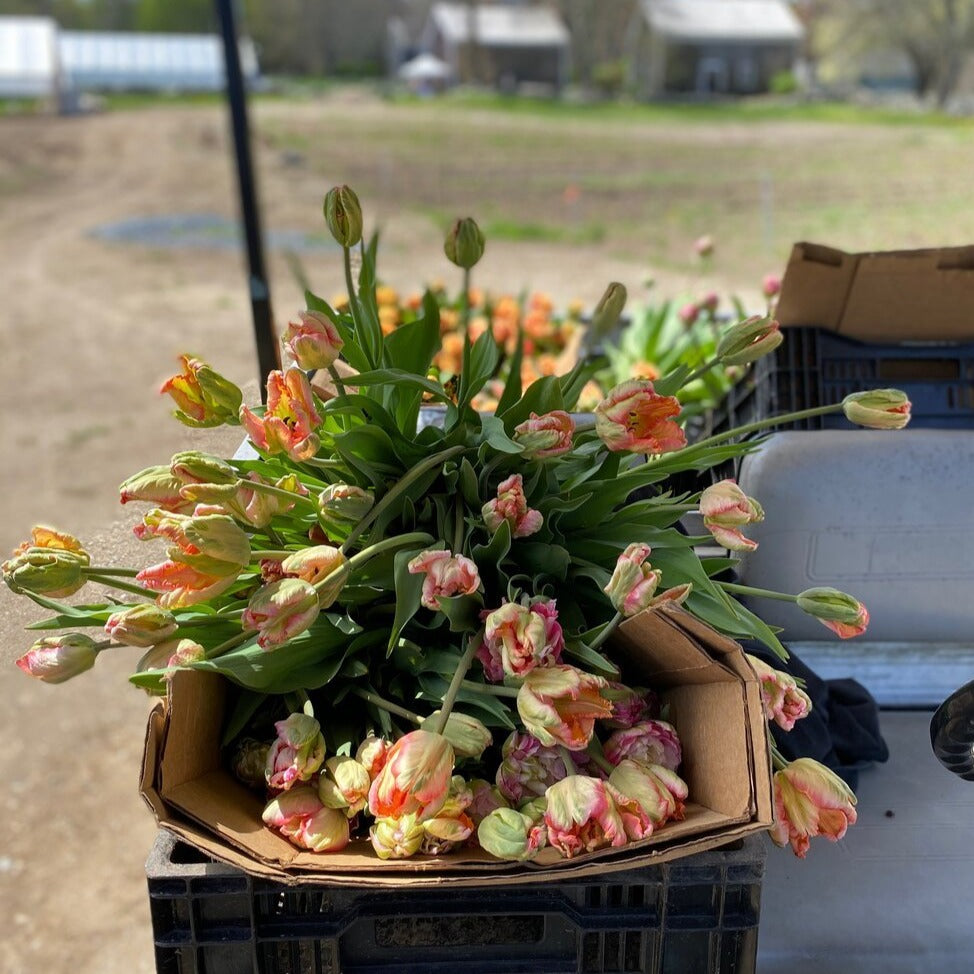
x: 289, y: 422
x: 388, y: 318
x: 386, y: 296
x: 635, y: 417
x: 450, y: 357
x: 645, y: 370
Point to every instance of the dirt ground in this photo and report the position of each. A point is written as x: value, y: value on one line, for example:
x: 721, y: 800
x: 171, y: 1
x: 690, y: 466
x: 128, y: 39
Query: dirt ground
x: 88, y: 329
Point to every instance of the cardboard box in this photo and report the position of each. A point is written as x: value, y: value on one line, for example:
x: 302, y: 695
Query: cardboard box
x: 892, y: 296
x: 715, y: 704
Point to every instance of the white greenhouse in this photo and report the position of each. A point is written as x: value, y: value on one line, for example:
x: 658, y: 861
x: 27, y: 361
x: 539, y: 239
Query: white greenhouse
x: 29, y: 57
x: 148, y: 62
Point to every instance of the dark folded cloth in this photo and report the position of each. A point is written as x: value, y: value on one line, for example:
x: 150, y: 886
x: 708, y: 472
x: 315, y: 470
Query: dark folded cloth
x: 842, y: 731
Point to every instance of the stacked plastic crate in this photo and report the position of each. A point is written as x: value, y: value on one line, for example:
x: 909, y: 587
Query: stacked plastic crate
x: 697, y: 914
x: 884, y: 516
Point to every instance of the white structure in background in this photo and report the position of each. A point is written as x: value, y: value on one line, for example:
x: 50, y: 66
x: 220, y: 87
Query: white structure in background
x: 499, y: 45
x: 148, y: 62
x: 29, y: 65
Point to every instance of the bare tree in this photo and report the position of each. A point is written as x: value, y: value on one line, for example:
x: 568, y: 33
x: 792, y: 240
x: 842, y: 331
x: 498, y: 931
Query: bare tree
x: 936, y: 35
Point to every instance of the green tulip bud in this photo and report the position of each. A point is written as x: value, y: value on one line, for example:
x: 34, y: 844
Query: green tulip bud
x: 608, y: 311
x: 464, y: 244
x: 343, y: 215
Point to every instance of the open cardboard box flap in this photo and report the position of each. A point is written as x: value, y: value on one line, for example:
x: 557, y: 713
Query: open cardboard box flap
x: 891, y: 296
x: 714, y: 701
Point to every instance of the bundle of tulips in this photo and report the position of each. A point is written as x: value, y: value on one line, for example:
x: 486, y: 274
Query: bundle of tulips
x: 415, y: 617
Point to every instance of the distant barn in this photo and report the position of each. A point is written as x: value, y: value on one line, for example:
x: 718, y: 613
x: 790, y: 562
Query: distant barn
x: 499, y: 45
x: 28, y: 58
x: 713, y: 46
x: 94, y: 61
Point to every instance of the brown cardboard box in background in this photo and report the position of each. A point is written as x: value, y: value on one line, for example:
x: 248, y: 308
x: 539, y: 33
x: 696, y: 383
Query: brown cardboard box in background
x: 714, y: 701
x: 891, y: 296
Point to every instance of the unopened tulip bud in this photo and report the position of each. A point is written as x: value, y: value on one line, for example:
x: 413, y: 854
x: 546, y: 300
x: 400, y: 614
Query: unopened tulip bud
x: 878, y: 409
x: 464, y: 244
x: 771, y: 285
x: 280, y: 611
x: 158, y: 486
x: 749, y: 340
x: 204, y: 397
x: 170, y: 656
x: 46, y: 571
x: 342, y: 505
x: 608, y: 311
x: 508, y: 834
x: 55, y: 659
x: 468, y: 735
x: 397, y: 838
x: 193, y: 467
x: 844, y: 615
x: 312, y: 341
x: 704, y: 246
x: 141, y: 625
x: 343, y: 215
x: 249, y: 761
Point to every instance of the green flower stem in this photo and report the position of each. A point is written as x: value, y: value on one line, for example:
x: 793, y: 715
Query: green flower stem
x: 702, y: 371
x: 595, y: 753
x: 568, y: 761
x: 353, y: 307
x: 279, y: 492
x: 231, y: 643
x: 458, y: 526
x: 388, y: 705
x: 453, y: 689
x: 388, y: 544
x: 494, y: 689
x: 115, y: 583
x: 767, y: 423
x: 103, y: 644
x: 398, y: 489
x: 337, y: 379
x: 307, y: 707
x: 102, y: 570
x: 761, y: 593
x: 610, y: 628
x: 778, y: 760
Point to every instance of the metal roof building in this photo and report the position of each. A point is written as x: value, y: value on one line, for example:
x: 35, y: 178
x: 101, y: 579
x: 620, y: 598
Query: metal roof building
x: 502, y: 45
x: 147, y: 62
x: 28, y: 57
x: 705, y: 47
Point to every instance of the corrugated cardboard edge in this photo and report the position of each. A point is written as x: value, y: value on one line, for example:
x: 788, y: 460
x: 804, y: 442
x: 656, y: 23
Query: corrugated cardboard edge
x: 664, y: 847
x: 880, y: 296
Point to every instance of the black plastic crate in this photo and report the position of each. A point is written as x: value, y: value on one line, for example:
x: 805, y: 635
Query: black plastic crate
x: 699, y: 914
x: 814, y: 367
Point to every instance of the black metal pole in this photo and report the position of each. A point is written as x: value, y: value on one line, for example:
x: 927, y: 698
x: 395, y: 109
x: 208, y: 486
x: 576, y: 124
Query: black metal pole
x: 260, y: 294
